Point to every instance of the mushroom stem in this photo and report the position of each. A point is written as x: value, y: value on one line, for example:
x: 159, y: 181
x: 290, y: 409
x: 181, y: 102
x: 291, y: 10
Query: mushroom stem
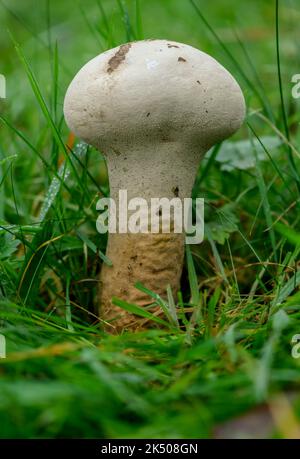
x: 153, y: 259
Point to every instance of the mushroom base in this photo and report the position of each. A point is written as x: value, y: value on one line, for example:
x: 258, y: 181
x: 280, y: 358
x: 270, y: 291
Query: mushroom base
x: 155, y: 260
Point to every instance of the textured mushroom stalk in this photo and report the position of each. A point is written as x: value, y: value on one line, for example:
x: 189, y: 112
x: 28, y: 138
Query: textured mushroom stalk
x: 153, y: 259
x: 153, y: 108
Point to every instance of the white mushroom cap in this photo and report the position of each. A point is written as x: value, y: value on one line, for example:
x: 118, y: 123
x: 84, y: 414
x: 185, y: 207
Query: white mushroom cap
x: 158, y: 104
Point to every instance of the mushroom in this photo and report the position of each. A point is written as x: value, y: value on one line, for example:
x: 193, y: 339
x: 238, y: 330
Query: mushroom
x: 153, y: 107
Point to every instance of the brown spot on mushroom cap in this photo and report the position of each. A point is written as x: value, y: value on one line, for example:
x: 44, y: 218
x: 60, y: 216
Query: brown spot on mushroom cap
x: 172, y: 46
x: 181, y: 59
x: 118, y: 58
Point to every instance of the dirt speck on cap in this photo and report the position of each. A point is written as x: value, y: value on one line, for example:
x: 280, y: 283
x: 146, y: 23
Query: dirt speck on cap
x: 181, y: 59
x: 172, y: 46
x: 118, y: 58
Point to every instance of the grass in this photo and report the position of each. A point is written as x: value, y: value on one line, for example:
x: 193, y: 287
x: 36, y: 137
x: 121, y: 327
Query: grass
x: 224, y: 346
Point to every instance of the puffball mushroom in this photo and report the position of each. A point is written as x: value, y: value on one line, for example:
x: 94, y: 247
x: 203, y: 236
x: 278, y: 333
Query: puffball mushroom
x: 153, y: 107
